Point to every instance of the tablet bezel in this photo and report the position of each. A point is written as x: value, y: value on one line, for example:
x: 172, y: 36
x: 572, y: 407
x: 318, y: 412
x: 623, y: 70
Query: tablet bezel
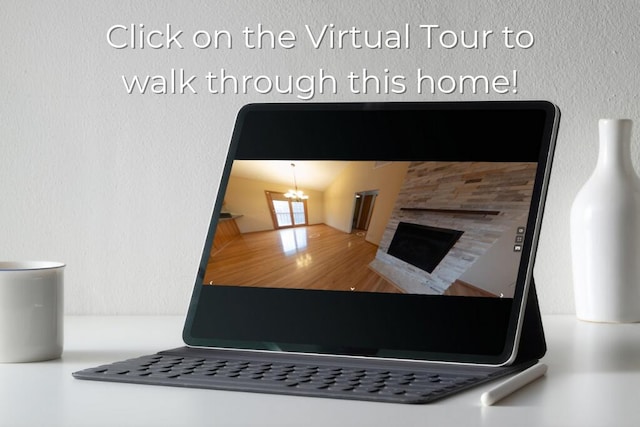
x: 207, y: 315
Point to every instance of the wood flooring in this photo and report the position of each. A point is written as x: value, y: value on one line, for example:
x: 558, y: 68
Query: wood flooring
x: 464, y: 289
x: 311, y: 257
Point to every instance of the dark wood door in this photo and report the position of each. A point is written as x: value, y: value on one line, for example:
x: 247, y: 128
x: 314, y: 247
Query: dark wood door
x: 365, y: 212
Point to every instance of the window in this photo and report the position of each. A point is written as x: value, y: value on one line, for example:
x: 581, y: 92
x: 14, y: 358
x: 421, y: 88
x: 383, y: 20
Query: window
x: 286, y: 212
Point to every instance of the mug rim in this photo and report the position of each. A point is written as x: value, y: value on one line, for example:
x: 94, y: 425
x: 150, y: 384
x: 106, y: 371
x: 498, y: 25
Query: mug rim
x: 29, y: 265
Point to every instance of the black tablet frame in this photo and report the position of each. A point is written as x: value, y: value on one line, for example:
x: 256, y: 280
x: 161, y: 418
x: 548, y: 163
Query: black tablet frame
x: 443, y: 328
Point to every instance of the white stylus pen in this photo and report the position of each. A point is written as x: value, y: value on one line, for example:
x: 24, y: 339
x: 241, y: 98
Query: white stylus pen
x: 514, y: 383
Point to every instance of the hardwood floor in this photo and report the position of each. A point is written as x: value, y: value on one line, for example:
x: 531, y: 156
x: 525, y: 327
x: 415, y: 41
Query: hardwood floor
x: 464, y: 289
x: 313, y: 257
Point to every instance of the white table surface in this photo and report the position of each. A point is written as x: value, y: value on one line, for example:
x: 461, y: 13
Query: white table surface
x: 593, y: 380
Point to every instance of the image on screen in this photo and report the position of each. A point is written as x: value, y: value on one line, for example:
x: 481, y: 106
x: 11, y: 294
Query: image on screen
x: 429, y: 227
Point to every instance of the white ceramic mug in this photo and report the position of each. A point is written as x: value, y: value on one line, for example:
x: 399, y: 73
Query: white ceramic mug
x: 31, y: 309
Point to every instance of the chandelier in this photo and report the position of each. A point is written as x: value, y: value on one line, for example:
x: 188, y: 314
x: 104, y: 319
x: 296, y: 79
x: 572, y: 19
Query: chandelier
x: 295, y: 195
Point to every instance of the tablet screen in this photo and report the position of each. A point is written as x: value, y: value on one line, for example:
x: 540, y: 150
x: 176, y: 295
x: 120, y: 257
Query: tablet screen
x: 434, y: 228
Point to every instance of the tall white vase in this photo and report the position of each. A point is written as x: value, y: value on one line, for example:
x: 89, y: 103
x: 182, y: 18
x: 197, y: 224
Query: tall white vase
x: 605, y: 232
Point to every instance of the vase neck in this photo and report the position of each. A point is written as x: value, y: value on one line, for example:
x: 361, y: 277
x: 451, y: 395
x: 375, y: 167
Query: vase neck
x: 615, y: 146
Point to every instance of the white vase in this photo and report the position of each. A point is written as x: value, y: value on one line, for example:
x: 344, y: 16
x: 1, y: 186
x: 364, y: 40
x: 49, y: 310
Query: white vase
x: 605, y: 232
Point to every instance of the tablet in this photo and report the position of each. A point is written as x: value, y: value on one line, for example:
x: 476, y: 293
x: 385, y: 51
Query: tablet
x: 382, y: 230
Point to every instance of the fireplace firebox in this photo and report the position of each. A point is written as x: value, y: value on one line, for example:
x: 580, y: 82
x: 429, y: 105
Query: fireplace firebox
x: 421, y: 245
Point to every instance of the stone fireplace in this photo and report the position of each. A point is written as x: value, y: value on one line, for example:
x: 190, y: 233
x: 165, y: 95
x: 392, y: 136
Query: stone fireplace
x: 472, y: 204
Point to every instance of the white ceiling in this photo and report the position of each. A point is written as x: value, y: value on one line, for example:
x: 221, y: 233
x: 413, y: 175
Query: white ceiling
x: 310, y: 174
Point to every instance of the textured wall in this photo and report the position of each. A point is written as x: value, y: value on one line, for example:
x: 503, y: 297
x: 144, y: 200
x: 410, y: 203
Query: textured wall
x: 121, y: 187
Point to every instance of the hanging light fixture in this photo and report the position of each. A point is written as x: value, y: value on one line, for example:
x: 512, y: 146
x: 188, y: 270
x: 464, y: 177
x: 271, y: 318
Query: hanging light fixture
x: 295, y: 195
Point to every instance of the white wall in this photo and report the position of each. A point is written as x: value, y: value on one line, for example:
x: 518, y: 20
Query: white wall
x: 483, y: 273
x: 121, y: 187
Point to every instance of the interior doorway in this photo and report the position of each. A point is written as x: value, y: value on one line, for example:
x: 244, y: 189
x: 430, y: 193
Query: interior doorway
x: 364, y: 203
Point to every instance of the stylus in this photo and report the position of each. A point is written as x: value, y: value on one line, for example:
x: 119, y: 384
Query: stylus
x: 513, y: 384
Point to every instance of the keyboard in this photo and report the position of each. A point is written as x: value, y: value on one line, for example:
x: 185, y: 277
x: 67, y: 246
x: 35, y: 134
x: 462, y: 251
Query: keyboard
x: 302, y: 375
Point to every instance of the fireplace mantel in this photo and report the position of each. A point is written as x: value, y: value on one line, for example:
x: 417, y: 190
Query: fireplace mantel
x: 453, y: 211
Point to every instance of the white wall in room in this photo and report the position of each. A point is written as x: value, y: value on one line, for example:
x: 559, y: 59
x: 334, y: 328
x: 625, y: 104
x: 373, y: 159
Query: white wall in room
x: 121, y: 187
x: 483, y: 273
